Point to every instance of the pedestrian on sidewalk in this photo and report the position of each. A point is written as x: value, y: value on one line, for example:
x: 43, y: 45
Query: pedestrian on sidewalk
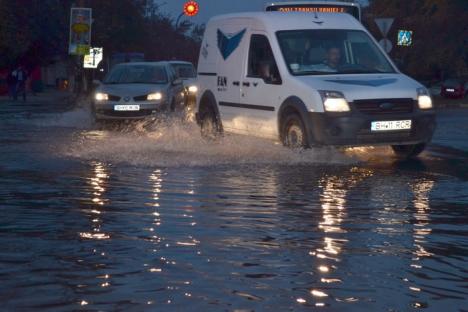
x: 21, y: 77
x: 11, y: 82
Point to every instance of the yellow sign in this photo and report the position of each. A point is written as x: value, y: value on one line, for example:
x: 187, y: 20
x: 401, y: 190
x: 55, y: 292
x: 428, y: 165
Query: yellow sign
x: 80, y: 31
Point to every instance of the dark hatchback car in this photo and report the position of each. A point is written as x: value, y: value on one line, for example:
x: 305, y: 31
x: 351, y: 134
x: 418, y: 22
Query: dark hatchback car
x: 138, y: 90
x: 454, y: 88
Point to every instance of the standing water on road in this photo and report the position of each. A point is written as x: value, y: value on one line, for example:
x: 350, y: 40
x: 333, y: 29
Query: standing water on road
x: 148, y: 216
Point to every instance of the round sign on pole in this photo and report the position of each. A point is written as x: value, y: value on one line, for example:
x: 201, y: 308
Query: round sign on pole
x: 386, y: 45
x: 191, y: 8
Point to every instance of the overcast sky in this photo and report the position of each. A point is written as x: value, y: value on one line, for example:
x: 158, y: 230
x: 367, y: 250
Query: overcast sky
x: 209, y: 8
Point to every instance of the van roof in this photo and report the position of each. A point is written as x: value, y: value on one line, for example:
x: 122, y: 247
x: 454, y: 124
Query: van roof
x: 276, y: 21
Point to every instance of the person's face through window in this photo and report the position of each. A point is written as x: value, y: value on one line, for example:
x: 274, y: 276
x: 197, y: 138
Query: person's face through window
x: 333, y: 57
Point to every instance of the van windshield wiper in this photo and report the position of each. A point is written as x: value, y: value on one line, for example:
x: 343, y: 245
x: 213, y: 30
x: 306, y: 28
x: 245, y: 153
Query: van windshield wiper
x: 362, y: 71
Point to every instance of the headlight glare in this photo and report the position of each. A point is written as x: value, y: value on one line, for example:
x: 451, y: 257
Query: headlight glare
x: 334, y: 101
x: 193, y: 89
x: 101, y: 96
x: 424, y: 99
x: 154, y: 96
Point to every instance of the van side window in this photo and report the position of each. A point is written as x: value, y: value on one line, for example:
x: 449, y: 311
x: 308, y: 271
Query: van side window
x: 262, y: 63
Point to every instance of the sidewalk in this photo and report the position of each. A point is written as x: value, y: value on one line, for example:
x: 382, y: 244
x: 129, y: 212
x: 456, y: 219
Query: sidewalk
x: 49, y: 95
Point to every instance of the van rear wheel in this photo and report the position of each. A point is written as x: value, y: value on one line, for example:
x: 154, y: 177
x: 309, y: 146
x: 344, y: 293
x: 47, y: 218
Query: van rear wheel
x: 293, y: 132
x: 408, y: 151
x: 210, y: 125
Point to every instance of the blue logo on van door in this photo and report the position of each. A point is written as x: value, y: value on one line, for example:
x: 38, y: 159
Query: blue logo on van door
x: 228, y: 44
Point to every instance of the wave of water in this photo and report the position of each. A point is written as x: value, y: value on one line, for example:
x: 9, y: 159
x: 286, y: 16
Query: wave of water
x: 170, y: 141
x: 175, y: 143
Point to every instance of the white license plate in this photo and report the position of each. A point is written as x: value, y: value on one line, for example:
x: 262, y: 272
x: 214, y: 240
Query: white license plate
x: 391, y: 125
x: 126, y: 107
x: 450, y: 90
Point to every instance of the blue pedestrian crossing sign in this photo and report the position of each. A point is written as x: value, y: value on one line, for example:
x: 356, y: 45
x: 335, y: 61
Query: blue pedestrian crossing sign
x: 405, y: 38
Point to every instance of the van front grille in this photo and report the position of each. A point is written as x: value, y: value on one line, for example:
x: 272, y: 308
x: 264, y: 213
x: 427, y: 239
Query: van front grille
x: 384, y: 106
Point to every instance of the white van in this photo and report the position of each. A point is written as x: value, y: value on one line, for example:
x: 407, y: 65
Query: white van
x: 307, y: 80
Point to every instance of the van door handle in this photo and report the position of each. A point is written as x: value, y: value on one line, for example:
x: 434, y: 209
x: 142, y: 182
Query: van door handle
x: 246, y: 84
x: 236, y: 83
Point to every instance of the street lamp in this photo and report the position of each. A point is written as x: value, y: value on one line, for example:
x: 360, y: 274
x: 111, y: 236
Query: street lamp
x: 191, y: 8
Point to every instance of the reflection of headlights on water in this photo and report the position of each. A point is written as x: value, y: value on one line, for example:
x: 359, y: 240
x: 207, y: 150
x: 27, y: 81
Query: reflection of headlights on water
x: 193, y: 89
x: 154, y: 96
x: 334, y: 101
x: 424, y: 100
x: 101, y: 96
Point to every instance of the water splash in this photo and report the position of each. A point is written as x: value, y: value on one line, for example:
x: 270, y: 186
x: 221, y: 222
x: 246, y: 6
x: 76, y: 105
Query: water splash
x: 171, y: 142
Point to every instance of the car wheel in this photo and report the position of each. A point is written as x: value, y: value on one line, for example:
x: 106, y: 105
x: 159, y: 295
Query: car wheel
x: 210, y: 125
x: 293, y: 132
x: 408, y: 151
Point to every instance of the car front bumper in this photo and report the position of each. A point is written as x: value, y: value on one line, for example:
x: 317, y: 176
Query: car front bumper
x: 107, y: 111
x: 354, y: 129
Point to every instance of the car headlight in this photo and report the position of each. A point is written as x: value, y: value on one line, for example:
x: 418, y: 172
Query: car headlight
x: 193, y: 89
x: 101, y: 96
x: 424, y: 99
x: 334, y: 101
x: 154, y: 96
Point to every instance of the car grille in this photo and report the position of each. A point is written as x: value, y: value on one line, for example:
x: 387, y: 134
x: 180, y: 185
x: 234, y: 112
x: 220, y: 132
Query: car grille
x: 140, y: 98
x: 384, y: 106
x: 113, y: 98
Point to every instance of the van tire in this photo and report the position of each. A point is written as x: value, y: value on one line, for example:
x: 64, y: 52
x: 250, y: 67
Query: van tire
x: 293, y: 133
x: 210, y: 125
x: 408, y: 151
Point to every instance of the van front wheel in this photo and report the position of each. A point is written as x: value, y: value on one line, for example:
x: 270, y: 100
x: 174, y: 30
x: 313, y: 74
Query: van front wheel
x: 408, y: 151
x: 209, y: 124
x: 293, y: 132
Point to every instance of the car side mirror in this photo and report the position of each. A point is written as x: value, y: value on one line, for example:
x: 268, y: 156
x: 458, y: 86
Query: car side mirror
x: 177, y: 82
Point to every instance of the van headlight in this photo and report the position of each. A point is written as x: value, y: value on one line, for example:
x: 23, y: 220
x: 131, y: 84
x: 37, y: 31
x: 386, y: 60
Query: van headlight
x: 193, y: 89
x: 101, y: 96
x: 154, y: 96
x: 424, y: 99
x: 334, y: 101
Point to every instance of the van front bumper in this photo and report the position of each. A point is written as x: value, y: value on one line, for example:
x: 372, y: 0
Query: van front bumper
x: 354, y: 129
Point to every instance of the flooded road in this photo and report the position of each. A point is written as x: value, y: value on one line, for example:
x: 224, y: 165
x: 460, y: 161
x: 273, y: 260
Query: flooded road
x: 150, y: 217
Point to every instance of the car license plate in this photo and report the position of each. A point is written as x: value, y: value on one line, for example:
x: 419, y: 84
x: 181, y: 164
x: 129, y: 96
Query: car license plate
x: 126, y: 108
x: 391, y: 125
x: 450, y: 90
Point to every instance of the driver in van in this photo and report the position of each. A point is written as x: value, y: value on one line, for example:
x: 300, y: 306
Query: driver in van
x: 333, y: 58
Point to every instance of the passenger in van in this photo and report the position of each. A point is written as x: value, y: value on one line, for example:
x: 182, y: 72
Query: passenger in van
x: 304, y: 58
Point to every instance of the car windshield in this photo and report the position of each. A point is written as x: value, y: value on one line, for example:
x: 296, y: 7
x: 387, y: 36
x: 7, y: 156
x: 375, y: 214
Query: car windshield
x: 331, y: 51
x: 150, y: 74
x: 184, y: 71
x: 452, y: 82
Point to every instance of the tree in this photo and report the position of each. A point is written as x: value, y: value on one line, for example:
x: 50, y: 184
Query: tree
x: 440, y: 29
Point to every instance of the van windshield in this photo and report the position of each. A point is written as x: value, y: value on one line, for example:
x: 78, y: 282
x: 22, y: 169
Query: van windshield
x: 331, y: 51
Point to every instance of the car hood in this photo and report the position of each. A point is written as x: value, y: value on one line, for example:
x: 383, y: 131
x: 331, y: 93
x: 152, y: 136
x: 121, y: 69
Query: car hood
x: 365, y: 86
x: 189, y: 82
x: 132, y: 89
